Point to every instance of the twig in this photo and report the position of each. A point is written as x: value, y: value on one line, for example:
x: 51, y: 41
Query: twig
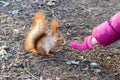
x: 52, y: 13
x: 32, y: 75
x: 53, y: 59
x: 12, y: 63
x: 4, y: 76
x: 116, y: 73
x: 41, y: 78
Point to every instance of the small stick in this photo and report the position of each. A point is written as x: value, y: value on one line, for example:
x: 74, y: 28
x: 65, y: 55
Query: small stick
x: 32, y: 75
x: 52, y: 59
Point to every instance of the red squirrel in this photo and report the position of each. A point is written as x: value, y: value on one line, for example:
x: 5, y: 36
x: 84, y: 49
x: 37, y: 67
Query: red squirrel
x: 38, y: 40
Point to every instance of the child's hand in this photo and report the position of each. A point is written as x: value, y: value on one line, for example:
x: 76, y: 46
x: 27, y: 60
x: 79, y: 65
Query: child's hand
x: 83, y: 46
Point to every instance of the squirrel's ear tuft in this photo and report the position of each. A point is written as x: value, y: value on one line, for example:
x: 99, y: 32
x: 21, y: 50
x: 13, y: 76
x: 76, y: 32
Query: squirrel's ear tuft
x: 54, y: 26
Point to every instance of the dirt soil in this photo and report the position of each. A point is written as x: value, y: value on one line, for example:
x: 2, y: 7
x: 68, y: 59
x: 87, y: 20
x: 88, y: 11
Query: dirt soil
x: 77, y: 18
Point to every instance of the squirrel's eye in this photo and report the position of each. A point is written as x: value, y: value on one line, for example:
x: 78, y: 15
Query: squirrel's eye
x: 58, y: 35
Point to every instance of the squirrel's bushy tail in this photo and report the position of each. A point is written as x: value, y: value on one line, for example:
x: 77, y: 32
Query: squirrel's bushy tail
x: 39, y: 27
x: 40, y: 21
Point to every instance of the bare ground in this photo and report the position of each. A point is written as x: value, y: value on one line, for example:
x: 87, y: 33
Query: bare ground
x: 77, y: 18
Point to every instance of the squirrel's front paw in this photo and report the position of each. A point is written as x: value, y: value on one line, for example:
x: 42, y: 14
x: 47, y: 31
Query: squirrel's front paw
x: 49, y: 55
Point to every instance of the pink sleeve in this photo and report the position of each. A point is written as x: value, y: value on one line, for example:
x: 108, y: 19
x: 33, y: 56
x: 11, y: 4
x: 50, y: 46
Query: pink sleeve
x: 109, y: 31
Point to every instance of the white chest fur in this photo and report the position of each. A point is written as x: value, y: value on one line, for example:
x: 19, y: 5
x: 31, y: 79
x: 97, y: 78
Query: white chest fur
x: 49, y: 43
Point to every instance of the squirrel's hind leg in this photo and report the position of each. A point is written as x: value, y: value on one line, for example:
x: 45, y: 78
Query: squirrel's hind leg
x: 34, y: 52
x: 41, y: 51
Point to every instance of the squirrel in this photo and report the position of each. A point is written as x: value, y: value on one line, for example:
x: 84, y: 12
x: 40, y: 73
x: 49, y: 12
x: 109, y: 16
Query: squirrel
x: 38, y: 40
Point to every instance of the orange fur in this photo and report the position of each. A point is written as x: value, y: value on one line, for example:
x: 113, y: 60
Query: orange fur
x: 38, y: 41
x: 39, y: 27
x: 54, y: 26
